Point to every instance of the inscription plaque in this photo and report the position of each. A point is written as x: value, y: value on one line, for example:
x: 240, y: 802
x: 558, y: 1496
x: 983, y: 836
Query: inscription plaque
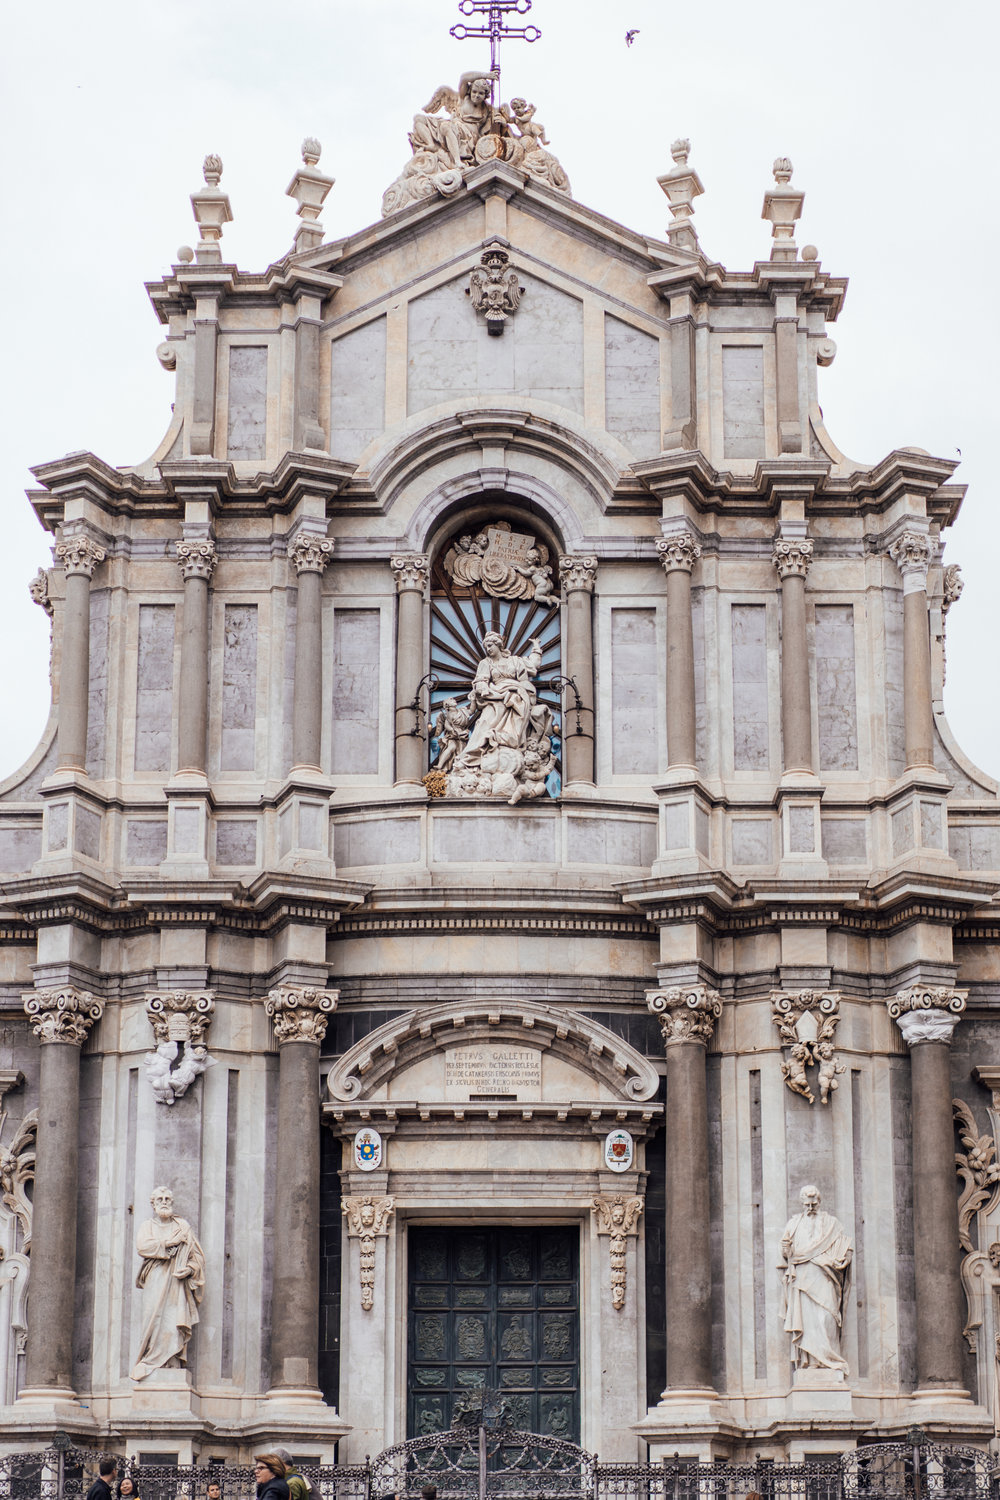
x: 492, y: 1070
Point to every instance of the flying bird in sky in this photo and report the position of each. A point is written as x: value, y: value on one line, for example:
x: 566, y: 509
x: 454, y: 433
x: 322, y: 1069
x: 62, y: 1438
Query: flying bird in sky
x: 630, y: 37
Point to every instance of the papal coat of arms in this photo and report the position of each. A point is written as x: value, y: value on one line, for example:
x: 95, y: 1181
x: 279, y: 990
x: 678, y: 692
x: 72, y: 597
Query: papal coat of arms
x: 367, y: 1150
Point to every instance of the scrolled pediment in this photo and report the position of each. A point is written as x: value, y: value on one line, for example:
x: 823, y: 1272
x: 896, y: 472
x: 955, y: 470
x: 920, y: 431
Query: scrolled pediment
x: 585, y: 1057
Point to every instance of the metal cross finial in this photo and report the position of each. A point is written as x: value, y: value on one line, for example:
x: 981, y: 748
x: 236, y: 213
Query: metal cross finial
x: 495, y: 12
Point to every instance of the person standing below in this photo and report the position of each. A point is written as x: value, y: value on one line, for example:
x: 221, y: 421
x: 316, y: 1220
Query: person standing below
x: 214, y: 1491
x: 299, y: 1487
x: 269, y: 1471
x: 101, y: 1487
x: 127, y: 1489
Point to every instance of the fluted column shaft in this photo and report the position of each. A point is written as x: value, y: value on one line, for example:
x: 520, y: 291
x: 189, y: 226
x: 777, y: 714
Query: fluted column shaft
x: 61, y: 1020
x: 577, y: 576
x: 410, y: 571
x: 309, y: 556
x: 79, y: 557
x: 911, y: 554
x: 927, y: 1019
x: 687, y: 1018
x: 792, y: 559
x: 300, y: 1017
x: 678, y: 554
x: 196, y: 560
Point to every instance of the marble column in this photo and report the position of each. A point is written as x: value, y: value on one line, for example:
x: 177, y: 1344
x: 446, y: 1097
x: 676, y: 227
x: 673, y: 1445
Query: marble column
x: 299, y: 1015
x: 309, y: 555
x: 792, y: 557
x: 79, y: 557
x: 196, y: 560
x: 911, y: 552
x: 577, y: 576
x: 61, y: 1019
x: 678, y: 555
x: 687, y: 1018
x: 927, y: 1018
x: 410, y: 571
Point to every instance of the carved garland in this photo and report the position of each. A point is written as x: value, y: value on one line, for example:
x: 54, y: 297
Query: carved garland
x: 368, y: 1219
x: 807, y: 1021
x: 617, y: 1217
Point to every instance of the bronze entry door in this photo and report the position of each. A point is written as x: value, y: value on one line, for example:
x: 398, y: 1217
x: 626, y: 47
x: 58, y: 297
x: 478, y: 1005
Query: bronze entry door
x: 495, y: 1307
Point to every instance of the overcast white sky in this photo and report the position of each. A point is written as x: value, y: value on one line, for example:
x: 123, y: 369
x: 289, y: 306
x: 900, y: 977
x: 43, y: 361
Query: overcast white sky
x: 887, y: 109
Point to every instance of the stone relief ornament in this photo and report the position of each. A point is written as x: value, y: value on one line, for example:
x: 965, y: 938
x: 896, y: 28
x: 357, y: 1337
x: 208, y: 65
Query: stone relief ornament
x: 470, y: 134
x: 367, y: 1150
x: 180, y: 1019
x: 17, y: 1173
x: 495, y: 290
x: 927, y: 1013
x: 619, y: 1150
x: 79, y: 554
x: 507, y: 747
x: 196, y: 559
x: 792, y: 559
x: 952, y: 586
x: 368, y: 1219
x: 507, y: 564
x: 978, y: 1168
x: 64, y: 1015
x: 38, y: 588
x: 172, y: 1281
x: 299, y: 1012
x: 815, y: 1273
x: 685, y: 1014
x: 807, y: 1021
x: 617, y: 1217
x: 309, y: 554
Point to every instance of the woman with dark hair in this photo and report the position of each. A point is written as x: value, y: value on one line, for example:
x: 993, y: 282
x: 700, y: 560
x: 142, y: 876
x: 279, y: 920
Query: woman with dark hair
x: 269, y: 1470
x: 127, y: 1489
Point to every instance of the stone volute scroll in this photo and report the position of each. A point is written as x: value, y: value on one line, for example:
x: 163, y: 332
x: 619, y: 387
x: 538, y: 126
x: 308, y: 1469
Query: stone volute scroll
x: 807, y: 1022
x: 79, y: 555
x: 927, y: 1013
x: 368, y: 1219
x: 196, y: 558
x: 978, y: 1168
x: 911, y: 552
x: 494, y: 288
x: 64, y: 1015
x: 686, y: 1013
x: 309, y: 554
x: 617, y: 1217
x: 792, y: 557
x: 180, y: 1020
x: 299, y: 1013
x: 679, y: 551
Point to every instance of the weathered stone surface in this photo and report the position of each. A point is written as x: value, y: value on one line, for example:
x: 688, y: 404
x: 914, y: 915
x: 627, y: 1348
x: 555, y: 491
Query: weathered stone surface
x: 239, y: 688
x: 634, y: 692
x: 247, y: 401
x: 751, y: 747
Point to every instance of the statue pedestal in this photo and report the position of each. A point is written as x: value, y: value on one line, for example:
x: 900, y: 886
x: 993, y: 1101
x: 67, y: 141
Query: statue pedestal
x: 165, y: 1391
x: 819, y: 1392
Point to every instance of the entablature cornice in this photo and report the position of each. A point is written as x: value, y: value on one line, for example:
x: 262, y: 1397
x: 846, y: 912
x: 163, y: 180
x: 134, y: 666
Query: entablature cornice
x: 284, y: 281
x: 712, y: 285
x: 583, y: 1118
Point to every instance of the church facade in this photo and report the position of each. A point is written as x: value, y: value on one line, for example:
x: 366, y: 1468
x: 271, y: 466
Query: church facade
x: 497, y: 842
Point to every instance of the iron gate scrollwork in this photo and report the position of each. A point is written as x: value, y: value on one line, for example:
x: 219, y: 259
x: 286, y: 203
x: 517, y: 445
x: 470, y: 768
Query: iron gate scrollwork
x: 476, y: 1462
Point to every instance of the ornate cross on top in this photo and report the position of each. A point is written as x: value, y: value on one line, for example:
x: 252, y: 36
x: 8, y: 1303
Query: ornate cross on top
x: 495, y: 14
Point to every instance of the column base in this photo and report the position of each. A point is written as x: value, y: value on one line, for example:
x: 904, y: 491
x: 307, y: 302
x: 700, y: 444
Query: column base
x: 40, y: 1411
x: 293, y: 1415
x: 694, y: 1423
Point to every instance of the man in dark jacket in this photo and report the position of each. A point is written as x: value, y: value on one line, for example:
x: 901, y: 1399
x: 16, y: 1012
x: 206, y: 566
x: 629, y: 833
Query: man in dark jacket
x: 101, y: 1488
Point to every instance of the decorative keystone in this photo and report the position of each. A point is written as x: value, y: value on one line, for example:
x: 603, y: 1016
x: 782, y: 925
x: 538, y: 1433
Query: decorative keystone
x: 300, y: 1012
x: 681, y: 186
x: 78, y: 554
x: 678, y: 553
x: 197, y: 559
x: 309, y: 554
x: 783, y: 206
x: 211, y: 211
x: 792, y: 559
x: 578, y: 573
x: 410, y: 571
x: 64, y: 1015
x: 309, y: 189
x: 685, y: 1015
x: 927, y: 1014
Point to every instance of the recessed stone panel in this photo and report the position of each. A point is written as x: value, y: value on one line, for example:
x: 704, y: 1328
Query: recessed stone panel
x: 836, y: 692
x: 635, y: 674
x: 612, y: 841
x: 236, y: 841
x: 239, y: 687
x: 20, y: 846
x: 355, y: 691
x: 752, y: 844
x: 743, y: 400
x: 751, y: 749
x: 845, y: 840
x: 247, y: 401
x: 632, y: 387
x: 378, y: 841
x: 357, y: 389
x: 506, y: 839
x: 145, y: 841
x: 154, y: 687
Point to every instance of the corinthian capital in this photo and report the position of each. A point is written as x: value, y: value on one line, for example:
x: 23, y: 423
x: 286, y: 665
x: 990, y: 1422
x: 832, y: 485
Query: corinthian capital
x: 685, y: 1014
x: 927, y: 1013
x: 911, y: 552
x: 197, y: 559
x: 78, y: 554
x: 309, y: 554
x: 300, y: 1013
x: 410, y: 571
x: 678, y: 553
x: 578, y: 573
x: 64, y: 1015
x: 792, y: 559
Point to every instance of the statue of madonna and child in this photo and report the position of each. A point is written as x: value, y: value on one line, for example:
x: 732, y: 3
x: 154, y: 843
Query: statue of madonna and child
x: 499, y: 743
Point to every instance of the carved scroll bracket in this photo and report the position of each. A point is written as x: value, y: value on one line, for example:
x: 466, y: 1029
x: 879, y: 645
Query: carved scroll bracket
x: 368, y: 1219
x: 180, y: 1019
x: 807, y: 1021
x: 617, y: 1217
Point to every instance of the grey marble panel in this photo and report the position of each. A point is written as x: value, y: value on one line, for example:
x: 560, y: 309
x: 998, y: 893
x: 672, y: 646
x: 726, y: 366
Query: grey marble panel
x: 145, y: 841
x: 632, y: 387
x: 635, y: 672
x: 902, y: 830
x: 611, y: 841
x: 509, y: 838
x: 801, y: 830
x: 58, y: 825
x: 973, y: 846
x: 154, y: 687
x: 87, y: 839
x: 86, y: 1221
x: 845, y: 840
x: 355, y: 730
x: 836, y: 692
x: 743, y: 400
x: 97, y: 703
x: 676, y: 826
x: 752, y: 841
x: 892, y: 605
x: 357, y: 389
x: 236, y: 841
x: 247, y: 401
x: 20, y: 846
x: 751, y: 750
x: 239, y: 688
x: 931, y: 824
x: 380, y: 841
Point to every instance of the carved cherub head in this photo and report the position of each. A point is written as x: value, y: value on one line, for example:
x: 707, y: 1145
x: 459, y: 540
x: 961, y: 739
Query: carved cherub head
x: 994, y: 1254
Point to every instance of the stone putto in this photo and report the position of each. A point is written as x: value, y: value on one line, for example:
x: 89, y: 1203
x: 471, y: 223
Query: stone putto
x: 471, y: 133
x: 180, y: 1019
x: 507, y: 564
